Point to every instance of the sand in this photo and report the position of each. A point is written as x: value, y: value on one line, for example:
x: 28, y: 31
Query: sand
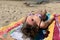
x: 11, y: 11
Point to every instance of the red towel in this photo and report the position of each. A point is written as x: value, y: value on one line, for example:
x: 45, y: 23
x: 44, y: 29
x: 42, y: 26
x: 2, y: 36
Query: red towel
x: 56, y: 34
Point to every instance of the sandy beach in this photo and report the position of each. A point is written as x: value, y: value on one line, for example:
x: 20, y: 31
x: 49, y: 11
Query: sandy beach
x: 11, y: 11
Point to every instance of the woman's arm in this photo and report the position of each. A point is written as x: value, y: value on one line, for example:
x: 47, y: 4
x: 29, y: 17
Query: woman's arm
x: 46, y: 23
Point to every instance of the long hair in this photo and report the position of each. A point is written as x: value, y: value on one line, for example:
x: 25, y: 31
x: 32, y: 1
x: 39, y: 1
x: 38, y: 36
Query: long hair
x: 29, y: 30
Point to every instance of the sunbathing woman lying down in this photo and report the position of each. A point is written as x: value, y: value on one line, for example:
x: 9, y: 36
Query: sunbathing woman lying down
x: 34, y: 22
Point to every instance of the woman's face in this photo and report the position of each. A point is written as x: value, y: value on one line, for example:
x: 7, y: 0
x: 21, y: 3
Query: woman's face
x: 33, y: 19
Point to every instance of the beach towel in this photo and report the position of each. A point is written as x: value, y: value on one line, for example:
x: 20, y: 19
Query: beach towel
x: 7, y: 30
x: 56, y: 35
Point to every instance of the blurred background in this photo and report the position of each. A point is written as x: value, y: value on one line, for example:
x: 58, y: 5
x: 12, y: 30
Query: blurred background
x: 14, y: 10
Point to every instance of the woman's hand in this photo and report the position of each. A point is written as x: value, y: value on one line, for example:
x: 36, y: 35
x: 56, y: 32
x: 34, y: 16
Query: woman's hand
x: 45, y: 24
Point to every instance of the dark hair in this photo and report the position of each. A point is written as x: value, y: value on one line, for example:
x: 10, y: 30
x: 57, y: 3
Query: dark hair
x: 30, y: 30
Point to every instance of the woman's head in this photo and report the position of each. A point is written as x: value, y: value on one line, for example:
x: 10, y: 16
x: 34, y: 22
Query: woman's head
x: 30, y: 27
x: 33, y: 19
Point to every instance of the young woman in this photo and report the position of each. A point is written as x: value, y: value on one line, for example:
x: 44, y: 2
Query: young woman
x: 32, y: 26
x: 35, y: 22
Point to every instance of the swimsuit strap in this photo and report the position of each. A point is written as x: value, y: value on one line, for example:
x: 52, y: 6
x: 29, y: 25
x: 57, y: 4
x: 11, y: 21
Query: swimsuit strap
x: 39, y: 15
